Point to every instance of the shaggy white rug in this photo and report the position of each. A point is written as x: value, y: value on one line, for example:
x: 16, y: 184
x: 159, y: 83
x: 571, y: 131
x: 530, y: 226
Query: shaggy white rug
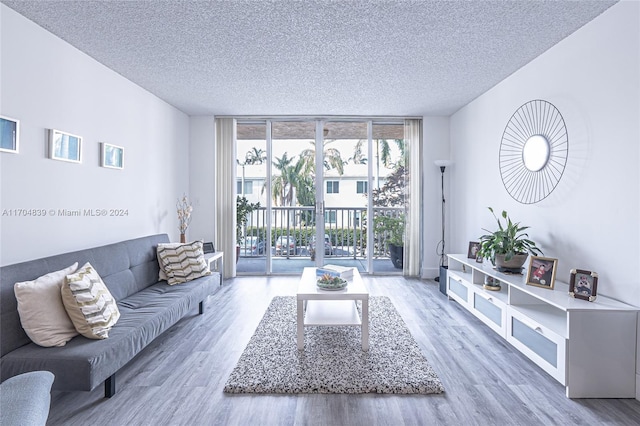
x: 332, y: 360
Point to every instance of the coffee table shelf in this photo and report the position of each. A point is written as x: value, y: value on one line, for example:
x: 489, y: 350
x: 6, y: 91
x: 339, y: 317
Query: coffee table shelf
x: 331, y: 312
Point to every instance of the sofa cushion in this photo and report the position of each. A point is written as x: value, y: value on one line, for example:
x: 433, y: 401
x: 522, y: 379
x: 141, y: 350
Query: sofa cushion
x: 42, y: 313
x: 183, y: 263
x: 89, y: 304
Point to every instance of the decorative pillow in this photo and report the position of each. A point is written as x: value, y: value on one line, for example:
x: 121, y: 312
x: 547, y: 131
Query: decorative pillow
x: 182, y: 262
x: 163, y: 274
x: 90, y: 306
x: 41, y: 311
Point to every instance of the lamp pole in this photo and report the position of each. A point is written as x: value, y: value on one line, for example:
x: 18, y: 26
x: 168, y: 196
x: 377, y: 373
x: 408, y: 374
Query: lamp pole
x: 442, y: 164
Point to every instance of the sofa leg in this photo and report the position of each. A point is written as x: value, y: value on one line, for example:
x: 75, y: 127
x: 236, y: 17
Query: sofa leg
x: 110, y: 386
x: 201, y: 307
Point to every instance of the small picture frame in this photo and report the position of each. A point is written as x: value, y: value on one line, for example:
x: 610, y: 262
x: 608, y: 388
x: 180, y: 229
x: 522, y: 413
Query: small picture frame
x: 479, y: 258
x: 208, y: 247
x: 583, y: 284
x: 474, y: 248
x: 65, y: 146
x: 9, y: 134
x: 111, y: 156
x: 542, y: 272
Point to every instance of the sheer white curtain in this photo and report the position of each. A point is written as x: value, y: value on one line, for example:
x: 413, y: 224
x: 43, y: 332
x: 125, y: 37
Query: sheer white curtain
x: 225, y: 188
x: 413, y: 149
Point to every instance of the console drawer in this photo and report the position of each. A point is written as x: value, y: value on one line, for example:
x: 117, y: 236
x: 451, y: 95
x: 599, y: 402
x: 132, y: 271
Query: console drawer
x: 491, y: 311
x: 538, y: 343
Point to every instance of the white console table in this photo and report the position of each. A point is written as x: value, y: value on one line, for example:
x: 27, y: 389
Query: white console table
x: 589, y: 347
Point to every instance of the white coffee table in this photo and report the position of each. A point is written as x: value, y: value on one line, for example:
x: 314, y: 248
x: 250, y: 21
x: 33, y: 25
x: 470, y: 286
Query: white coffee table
x: 318, y: 307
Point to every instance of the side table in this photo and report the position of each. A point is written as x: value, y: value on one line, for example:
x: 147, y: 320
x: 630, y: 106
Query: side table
x: 215, y: 257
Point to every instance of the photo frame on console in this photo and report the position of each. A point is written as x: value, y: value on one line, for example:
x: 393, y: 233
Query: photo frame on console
x: 583, y: 284
x: 542, y: 272
x: 65, y: 146
x: 9, y: 134
x: 474, y: 248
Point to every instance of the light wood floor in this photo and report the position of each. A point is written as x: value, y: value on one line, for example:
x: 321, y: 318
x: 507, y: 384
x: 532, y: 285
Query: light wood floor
x: 178, y: 380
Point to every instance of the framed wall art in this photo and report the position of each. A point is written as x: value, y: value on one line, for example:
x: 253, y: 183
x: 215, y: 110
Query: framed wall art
x: 9, y: 134
x: 583, y: 284
x: 542, y: 271
x: 65, y: 146
x: 112, y: 156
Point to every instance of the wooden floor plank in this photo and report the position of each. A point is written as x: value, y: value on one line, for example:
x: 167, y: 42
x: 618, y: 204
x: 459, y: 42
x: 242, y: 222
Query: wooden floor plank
x: 178, y: 379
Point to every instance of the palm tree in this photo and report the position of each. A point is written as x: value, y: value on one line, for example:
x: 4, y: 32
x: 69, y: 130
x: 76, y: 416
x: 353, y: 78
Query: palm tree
x: 283, y: 186
x: 331, y: 158
x: 382, y: 155
x: 255, y: 156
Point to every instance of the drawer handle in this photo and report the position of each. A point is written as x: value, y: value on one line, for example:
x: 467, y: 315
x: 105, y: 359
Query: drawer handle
x: 538, y: 329
x: 490, y: 299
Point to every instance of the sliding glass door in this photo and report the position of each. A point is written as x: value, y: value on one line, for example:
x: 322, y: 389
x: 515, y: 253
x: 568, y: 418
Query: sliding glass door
x: 329, y: 191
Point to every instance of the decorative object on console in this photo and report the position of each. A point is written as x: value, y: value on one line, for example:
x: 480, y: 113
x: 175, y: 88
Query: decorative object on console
x: 583, y: 284
x: 184, y: 208
x: 207, y: 247
x: 491, y: 283
x: 533, y: 151
x: 508, y: 247
x: 472, y: 252
x: 542, y: 271
x: 9, y: 134
x: 111, y: 156
x: 65, y: 146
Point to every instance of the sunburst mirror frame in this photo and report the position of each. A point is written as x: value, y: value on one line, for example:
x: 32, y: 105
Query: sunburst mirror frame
x: 533, y: 151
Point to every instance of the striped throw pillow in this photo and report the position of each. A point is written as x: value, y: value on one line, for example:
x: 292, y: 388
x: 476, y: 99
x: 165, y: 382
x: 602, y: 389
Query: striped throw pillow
x: 89, y: 303
x: 183, y: 262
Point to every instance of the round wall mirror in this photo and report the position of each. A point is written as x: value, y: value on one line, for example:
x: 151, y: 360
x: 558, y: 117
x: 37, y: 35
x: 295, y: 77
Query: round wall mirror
x: 533, y: 152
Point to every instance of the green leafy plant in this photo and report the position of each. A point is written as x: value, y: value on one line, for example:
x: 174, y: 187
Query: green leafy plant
x: 508, y: 240
x: 392, y: 227
x: 243, y: 210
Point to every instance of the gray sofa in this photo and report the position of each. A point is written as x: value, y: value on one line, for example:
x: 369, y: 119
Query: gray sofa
x: 25, y: 399
x: 148, y: 307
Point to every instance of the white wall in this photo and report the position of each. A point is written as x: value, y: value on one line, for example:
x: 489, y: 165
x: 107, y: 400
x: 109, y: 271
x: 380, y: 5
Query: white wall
x: 435, y: 136
x: 591, y: 221
x: 46, y: 83
x: 202, y: 178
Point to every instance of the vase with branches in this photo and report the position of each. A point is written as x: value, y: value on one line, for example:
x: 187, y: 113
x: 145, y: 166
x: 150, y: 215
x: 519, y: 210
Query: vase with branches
x: 184, y: 209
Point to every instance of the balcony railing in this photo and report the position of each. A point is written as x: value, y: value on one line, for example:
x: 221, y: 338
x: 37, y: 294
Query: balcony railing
x: 345, y: 227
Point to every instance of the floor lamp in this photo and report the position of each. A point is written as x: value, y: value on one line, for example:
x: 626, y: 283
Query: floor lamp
x: 440, y: 247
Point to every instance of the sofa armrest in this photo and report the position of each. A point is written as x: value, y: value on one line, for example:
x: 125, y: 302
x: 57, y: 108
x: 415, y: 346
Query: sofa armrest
x: 25, y: 399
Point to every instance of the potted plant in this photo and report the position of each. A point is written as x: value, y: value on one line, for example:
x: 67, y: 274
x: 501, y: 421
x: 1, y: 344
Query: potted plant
x: 392, y: 227
x: 507, y: 247
x: 243, y: 210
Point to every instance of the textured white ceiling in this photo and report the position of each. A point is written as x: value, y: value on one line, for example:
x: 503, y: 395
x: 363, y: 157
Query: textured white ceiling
x: 313, y: 57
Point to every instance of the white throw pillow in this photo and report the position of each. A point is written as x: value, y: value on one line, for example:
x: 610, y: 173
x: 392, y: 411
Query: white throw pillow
x: 89, y: 303
x: 42, y: 314
x: 182, y: 263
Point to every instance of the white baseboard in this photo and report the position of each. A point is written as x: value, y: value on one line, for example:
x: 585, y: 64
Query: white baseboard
x: 638, y: 387
x: 429, y: 273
